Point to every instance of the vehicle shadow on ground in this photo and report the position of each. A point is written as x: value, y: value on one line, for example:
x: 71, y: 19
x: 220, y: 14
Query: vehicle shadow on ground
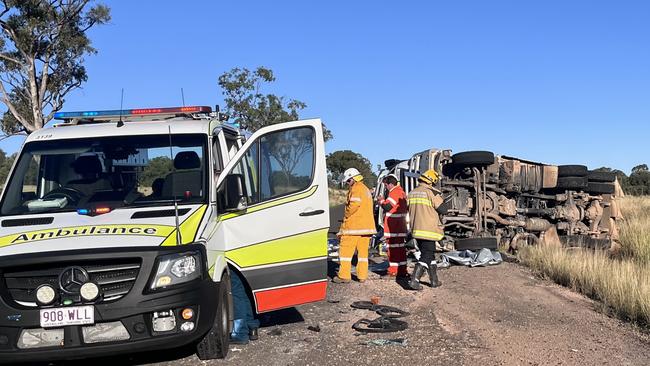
x: 129, y: 360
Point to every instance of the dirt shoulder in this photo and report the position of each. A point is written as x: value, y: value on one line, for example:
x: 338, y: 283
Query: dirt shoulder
x: 500, y: 315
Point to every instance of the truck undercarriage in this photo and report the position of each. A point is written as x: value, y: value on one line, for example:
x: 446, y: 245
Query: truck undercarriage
x: 499, y: 201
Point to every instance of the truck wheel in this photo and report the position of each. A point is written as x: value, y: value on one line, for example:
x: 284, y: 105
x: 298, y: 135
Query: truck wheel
x: 215, y: 343
x: 600, y: 188
x: 476, y: 243
x: 572, y: 171
x: 572, y: 183
x: 604, y: 177
x: 473, y: 158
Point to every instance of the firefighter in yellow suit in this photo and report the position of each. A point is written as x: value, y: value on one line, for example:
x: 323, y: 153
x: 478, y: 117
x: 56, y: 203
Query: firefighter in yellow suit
x: 357, y: 228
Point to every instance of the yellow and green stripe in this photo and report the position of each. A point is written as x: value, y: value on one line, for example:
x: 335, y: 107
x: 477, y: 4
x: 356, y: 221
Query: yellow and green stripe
x: 307, y: 245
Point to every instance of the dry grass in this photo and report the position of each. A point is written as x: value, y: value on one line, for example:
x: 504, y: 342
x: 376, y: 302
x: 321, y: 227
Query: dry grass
x: 337, y: 196
x: 635, y: 229
x: 620, y: 283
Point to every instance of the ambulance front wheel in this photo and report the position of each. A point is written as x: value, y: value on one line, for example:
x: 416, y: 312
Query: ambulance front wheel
x: 215, y: 343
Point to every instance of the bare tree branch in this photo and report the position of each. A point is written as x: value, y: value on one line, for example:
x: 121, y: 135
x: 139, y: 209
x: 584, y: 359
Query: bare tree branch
x: 11, y: 59
x: 8, y: 135
x: 44, y: 78
x: 12, y: 108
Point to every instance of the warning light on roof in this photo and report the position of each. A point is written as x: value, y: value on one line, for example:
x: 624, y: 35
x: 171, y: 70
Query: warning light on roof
x: 131, y: 112
x: 102, y: 210
x: 93, y: 211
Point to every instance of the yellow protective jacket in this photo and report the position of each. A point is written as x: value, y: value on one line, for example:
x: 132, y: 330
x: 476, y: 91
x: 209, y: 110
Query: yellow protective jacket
x: 358, y: 219
x: 425, y: 221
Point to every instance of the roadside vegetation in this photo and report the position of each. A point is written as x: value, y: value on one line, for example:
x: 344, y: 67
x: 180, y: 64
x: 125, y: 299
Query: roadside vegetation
x: 337, y: 196
x: 620, y: 281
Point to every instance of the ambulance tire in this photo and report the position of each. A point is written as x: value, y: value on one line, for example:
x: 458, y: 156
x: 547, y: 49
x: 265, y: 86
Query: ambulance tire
x: 215, y: 343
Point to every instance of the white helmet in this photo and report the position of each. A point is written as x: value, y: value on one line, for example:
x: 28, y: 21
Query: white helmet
x: 349, y: 173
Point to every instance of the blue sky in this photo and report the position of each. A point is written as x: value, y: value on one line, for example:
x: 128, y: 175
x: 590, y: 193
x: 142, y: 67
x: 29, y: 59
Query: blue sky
x: 554, y: 81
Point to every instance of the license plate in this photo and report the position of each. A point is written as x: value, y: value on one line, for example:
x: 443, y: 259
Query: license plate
x: 73, y: 315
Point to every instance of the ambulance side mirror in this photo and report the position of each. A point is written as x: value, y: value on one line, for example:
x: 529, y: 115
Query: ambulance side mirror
x: 235, y: 193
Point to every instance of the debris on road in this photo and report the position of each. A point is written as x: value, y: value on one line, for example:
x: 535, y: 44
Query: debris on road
x: 380, y: 325
x: 314, y: 328
x: 387, y: 342
x: 387, y: 322
x: 383, y: 310
x: 482, y: 258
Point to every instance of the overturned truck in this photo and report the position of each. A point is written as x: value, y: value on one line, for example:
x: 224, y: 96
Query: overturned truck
x: 495, y: 201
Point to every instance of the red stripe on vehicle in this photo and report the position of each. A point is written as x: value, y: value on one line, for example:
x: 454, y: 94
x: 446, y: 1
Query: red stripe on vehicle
x: 287, y: 297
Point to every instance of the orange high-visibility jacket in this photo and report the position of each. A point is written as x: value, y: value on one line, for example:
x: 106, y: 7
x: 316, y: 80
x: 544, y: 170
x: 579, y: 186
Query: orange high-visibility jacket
x: 395, y: 216
x: 359, y: 219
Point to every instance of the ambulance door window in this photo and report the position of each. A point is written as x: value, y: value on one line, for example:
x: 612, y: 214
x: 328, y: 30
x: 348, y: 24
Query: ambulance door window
x: 287, y: 162
x: 232, y: 146
x: 247, y: 167
x: 217, y: 164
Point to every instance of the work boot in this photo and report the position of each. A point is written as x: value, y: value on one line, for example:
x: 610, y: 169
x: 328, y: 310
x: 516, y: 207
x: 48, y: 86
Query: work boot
x: 418, y: 272
x: 338, y: 279
x: 433, y: 275
x: 253, y: 334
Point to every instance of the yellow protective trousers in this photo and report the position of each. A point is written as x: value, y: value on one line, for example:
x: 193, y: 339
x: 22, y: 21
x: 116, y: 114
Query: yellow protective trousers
x: 347, y: 247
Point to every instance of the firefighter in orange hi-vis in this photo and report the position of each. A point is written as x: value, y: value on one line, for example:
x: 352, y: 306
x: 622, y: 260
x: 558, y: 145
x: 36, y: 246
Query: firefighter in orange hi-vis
x: 395, y: 229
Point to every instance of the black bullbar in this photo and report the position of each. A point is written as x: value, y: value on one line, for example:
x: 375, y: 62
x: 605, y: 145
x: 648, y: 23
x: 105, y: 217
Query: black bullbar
x: 128, y: 315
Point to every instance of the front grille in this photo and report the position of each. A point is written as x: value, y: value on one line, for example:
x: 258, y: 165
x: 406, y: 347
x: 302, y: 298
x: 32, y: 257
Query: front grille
x: 114, y: 277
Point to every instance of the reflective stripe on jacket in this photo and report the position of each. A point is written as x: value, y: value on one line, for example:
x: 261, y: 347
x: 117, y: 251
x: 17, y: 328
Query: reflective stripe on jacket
x: 425, y: 221
x: 358, y: 219
x: 395, y: 218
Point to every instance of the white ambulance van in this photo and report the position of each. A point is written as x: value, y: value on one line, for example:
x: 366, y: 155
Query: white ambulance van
x: 119, y: 231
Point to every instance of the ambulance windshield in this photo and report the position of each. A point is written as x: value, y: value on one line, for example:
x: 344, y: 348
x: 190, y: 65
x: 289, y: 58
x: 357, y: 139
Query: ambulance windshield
x: 113, y: 172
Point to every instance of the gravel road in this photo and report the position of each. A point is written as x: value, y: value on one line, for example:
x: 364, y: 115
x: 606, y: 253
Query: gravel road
x: 502, y: 315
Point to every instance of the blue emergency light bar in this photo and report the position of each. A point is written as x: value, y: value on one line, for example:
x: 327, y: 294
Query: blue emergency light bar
x: 131, y: 112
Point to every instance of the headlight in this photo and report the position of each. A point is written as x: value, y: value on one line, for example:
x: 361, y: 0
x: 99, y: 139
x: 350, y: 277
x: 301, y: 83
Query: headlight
x: 45, y: 294
x: 89, y: 291
x: 174, y: 269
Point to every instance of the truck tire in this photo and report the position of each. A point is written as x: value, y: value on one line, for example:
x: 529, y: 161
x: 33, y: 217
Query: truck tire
x: 600, y: 188
x: 604, y: 177
x: 473, y: 158
x: 476, y: 243
x: 215, y: 343
x: 572, y: 171
x: 572, y: 183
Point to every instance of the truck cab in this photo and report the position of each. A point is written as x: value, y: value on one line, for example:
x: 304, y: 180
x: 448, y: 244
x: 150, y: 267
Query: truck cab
x: 119, y: 231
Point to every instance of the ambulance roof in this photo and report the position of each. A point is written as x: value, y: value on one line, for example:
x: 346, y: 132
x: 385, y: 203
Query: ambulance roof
x: 154, y: 121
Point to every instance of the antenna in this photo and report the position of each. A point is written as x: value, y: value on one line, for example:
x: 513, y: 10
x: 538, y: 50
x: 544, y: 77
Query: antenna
x: 120, y: 123
x: 183, y: 97
x: 179, y: 240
